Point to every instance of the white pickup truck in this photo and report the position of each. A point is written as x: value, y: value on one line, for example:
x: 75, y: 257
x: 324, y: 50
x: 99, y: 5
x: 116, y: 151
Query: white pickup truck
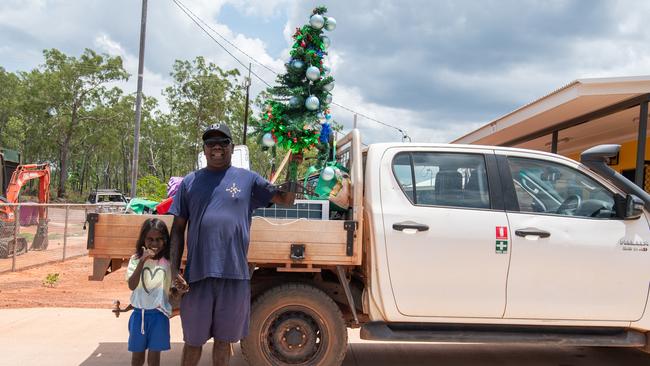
x: 449, y: 243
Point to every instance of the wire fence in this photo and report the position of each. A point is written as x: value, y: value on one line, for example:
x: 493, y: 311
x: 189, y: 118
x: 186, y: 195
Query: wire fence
x: 27, y: 240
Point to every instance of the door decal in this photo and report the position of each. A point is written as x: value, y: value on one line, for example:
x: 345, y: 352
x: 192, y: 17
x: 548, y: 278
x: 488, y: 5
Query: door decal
x: 501, y: 246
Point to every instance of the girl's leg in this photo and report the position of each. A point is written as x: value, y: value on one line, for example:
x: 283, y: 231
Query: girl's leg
x: 153, y: 359
x: 137, y: 358
x: 220, y: 353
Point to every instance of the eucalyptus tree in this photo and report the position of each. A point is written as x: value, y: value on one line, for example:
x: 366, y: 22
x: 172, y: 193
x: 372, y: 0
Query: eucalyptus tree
x: 75, y: 86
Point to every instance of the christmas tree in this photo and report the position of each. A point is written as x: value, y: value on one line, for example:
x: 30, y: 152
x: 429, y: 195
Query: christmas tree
x: 297, y: 116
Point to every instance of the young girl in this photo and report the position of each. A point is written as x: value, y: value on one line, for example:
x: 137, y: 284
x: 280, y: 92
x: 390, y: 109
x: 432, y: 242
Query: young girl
x: 149, y: 278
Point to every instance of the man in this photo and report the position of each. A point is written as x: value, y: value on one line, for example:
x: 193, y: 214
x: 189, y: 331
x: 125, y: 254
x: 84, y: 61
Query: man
x: 215, y: 204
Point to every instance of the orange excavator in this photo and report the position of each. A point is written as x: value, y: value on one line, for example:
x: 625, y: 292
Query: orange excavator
x: 8, y: 219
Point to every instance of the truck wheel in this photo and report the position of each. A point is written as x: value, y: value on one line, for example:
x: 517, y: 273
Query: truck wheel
x: 295, y: 324
x: 4, y: 248
x: 21, y: 247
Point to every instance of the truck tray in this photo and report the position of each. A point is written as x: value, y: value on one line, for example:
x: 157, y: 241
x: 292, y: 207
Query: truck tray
x: 289, y: 244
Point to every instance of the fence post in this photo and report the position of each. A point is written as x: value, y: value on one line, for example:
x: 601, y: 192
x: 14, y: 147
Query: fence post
x: 65, y: 230
x: 16, y: 228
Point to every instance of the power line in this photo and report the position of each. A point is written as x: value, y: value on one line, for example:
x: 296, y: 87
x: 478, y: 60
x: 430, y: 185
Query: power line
x: 194, y: 18
x: 225, y: 39
x: 404, y: 135
x: 217, y: 42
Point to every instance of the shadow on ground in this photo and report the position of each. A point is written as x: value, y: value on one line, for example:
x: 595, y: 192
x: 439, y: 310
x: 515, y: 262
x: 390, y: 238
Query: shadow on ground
x: 116, y: 353
x: 401, y: 354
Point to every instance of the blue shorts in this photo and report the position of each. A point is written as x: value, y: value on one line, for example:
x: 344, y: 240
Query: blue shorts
x: 216, y: 308
x: 156, y: 331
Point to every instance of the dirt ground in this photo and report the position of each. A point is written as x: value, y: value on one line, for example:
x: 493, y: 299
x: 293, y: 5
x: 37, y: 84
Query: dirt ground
x: 25, y: 288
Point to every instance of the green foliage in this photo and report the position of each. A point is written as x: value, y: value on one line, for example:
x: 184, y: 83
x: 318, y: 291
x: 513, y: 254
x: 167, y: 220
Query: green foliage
x: 10, y: 125
x: 60, y: 98
x: 203, y: 94
x: 152, y: 188
x: 66, y: 112
x: 51, y: 280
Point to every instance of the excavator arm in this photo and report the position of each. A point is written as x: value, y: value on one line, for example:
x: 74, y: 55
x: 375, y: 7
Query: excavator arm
x: 19, y: 178
x: 25, y: 173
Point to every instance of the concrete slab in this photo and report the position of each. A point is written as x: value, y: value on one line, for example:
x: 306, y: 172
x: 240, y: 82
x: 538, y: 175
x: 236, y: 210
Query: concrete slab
x: 94, y: 337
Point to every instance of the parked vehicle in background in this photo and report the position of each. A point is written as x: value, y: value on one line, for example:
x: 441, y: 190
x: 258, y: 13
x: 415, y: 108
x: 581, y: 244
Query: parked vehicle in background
x: 443, y: 243
x: 107, y: 200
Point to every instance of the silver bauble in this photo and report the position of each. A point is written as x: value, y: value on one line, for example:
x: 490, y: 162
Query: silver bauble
x: 313, y: 73
x: 326, y: 69
x: 317, y: 21
x: 328, y: 99
x: 329, y: 87
x: 297, y: 64
x: 268, y: 140
x: 330, y: 24
x: 326, y: 41
x: 294, y: 102
x: 328, y: 174
x: 312, y: 103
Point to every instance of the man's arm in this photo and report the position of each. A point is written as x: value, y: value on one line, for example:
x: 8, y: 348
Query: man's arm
x: 283, y: 198
x: 177, y: 244
x: 287, y: 198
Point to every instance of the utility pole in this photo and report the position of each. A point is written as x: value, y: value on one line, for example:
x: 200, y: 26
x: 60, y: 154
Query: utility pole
x: 138, y: 101
x: 247, y: 83
x: 354, y: 124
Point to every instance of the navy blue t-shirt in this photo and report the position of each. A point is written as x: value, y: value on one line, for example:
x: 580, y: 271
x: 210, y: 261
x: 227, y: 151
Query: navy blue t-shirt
x: 218, y: 206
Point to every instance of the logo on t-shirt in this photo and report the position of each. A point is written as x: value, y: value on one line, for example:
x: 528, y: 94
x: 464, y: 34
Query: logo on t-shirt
x: 233, y: 190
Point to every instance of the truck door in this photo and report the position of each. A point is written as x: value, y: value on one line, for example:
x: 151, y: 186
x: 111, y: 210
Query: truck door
x: 572, y: 258
x: 445, y: 232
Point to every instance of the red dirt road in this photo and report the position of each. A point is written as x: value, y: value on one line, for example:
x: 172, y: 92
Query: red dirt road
x: 25, y: 288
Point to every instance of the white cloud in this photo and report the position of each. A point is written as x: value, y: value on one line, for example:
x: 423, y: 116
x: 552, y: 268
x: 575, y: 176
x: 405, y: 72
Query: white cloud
x: 153, y: 83
x: 436, y: 69
x: 261, y: 8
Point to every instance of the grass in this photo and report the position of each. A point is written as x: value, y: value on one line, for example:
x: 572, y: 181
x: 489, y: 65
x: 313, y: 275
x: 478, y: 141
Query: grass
x: 28, y: 236
x: 55, y: 236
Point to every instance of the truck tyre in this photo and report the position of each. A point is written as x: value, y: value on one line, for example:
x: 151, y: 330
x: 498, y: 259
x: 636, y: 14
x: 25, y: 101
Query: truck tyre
x: 295, y: 324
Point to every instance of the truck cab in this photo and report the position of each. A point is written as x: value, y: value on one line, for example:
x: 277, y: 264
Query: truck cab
x: 477, y: 234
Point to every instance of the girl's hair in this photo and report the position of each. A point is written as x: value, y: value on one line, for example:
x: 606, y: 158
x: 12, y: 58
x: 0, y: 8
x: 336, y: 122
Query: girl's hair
x: 161, y: 227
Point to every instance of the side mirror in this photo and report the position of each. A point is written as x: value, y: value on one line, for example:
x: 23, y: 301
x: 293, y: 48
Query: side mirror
x: 629, y: 207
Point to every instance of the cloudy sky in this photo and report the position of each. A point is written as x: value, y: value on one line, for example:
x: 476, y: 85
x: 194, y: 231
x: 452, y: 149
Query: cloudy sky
x: 437, y: 69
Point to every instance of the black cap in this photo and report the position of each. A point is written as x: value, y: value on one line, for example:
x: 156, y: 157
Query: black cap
x: 217, y: 127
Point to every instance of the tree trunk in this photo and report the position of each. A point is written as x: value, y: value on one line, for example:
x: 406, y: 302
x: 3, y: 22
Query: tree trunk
x: 63, y: 163
x: 125, y: 169
x: 152, y: 162
x: 82, y: 176
x: 65, y: 150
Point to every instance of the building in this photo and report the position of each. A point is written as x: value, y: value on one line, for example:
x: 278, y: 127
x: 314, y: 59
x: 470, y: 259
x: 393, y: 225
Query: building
x: 582, y: 114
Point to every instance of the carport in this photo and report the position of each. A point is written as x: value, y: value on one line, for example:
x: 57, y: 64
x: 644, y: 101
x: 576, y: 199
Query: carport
x: 582, y: 114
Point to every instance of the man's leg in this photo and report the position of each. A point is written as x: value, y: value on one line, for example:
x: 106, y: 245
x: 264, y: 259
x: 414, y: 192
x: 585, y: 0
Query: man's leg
x: 191, y: 355
x: 196, y: 318
x: 220, y: 353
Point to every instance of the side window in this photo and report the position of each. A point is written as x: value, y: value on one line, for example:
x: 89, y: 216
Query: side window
x: 443, y: 179
x: 551, y: 188
x: 403, y: 173
x: 116, y: 198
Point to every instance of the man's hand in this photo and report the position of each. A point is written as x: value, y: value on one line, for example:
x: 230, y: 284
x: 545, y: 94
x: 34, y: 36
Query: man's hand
x: 180, y: 284
x: 297, y: 157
